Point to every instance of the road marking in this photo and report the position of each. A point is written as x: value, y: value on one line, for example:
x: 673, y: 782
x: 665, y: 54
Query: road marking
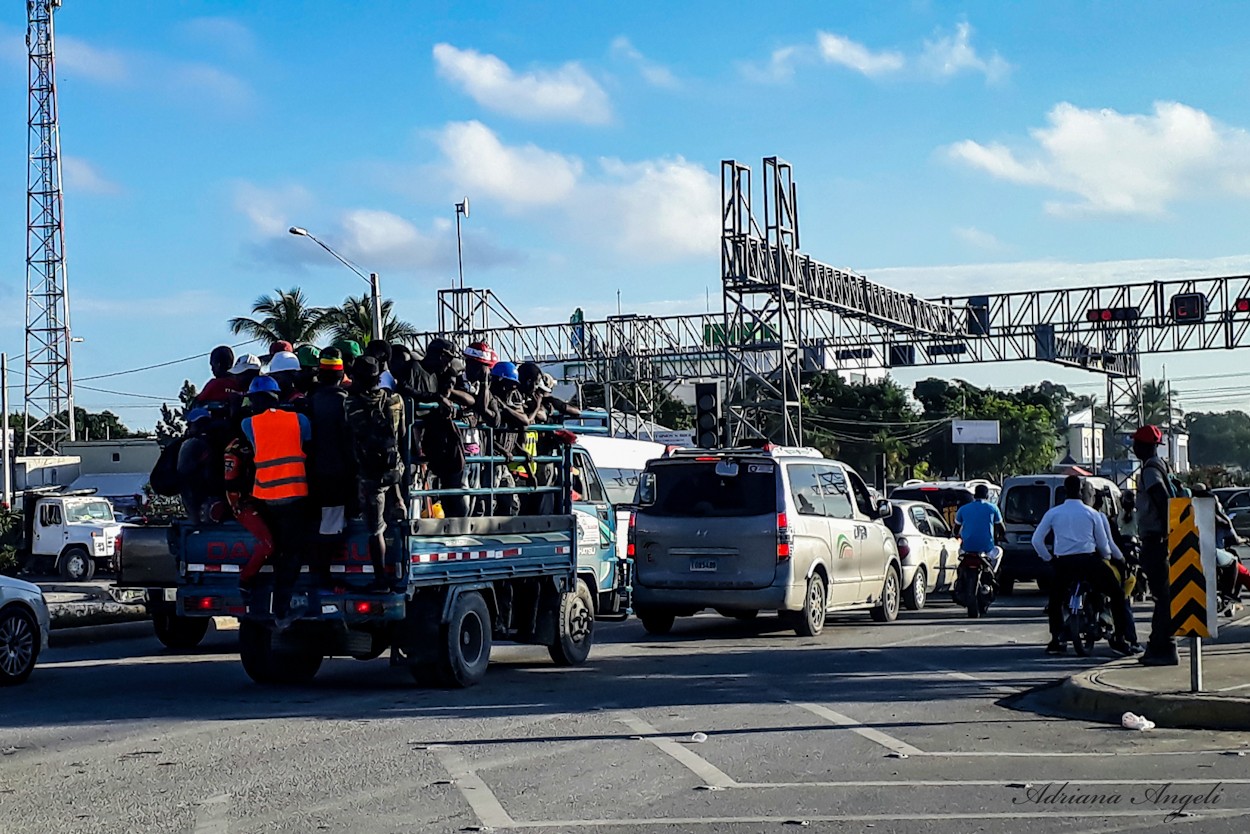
x: 211, y: 817
x: 680, y: 753
x: 481, y: 799
x: 1160, y: 814
x: 964, y: 676
x: 984, y: 783
x: 887, y: 741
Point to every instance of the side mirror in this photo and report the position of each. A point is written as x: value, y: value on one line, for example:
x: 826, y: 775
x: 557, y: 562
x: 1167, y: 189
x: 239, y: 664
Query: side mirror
x: 646, y: 489
x: 884, y: 509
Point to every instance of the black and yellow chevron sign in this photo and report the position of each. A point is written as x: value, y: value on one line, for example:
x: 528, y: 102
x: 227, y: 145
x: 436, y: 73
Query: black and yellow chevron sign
x: 1185, y: 576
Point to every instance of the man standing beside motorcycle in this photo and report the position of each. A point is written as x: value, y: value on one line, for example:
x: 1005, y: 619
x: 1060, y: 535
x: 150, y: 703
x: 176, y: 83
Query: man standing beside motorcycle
x: 979, y: 524
x: 1081, y: 545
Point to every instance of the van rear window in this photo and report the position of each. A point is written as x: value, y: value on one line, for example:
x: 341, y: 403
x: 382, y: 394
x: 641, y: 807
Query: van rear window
x: 694, y: 489
x: 1026, y: 504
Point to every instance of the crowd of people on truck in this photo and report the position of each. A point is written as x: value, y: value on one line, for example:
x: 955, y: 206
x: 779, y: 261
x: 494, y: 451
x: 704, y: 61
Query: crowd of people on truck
x: 295, y: 443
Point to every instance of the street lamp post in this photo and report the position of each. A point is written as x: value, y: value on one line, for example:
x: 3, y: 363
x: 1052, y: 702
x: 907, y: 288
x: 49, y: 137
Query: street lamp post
x: 461, y: 208
x: 375, y: 294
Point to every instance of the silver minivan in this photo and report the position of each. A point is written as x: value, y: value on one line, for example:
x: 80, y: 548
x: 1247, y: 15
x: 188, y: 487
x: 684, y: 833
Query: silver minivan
x: 760, y: 529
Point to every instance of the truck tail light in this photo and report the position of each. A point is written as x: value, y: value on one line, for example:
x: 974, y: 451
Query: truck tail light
x: 204, y: 603
x: 785, y: 537
x: 629, y: 535
x: 366, y: 607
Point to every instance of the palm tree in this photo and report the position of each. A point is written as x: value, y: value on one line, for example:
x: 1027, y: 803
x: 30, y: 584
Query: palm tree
x: 354, y: 320
x: 1157, y: 405
x: 284, y: 317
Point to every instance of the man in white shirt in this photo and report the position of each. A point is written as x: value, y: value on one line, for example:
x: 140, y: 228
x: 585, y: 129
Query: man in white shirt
x: 1081, y: 541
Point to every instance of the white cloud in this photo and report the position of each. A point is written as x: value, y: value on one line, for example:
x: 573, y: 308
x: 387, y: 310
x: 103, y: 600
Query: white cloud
x: 835, y: 49
x: 80, y: 175
x: 950, y: 55
x: 1122, y: 163
x: 75, y: 56
x: 205, y: 81
x: 519, y: 176
x: 978, y: 238
x: 651, y: 210
x: 567, y: 93
x: 943, y: 57
x: 657, y: 75
x: 272, y: 211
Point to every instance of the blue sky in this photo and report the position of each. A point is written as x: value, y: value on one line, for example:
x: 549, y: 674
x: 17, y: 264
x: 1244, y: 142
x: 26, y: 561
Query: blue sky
x: 1064, y: 142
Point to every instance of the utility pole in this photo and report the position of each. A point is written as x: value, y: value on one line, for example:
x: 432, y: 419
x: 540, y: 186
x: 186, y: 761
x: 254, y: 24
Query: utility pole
x: 49, y: 378
x: 5, y: 444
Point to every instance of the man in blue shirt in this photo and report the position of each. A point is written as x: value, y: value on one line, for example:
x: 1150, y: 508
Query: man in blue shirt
x: 978, y: 522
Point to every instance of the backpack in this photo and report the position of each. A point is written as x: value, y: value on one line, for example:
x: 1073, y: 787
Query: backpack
x: 164, y: 477
x: 374, y: 444
x: 441, y: 445
x: 1176, y: 489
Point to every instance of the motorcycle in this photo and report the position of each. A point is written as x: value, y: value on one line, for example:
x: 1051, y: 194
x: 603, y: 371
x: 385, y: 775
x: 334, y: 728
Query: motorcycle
x: 1230, y: 580
x: 975, y: 586
x: 1087, y: 617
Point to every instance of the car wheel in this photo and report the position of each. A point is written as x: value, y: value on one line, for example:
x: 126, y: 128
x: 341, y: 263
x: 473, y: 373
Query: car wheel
x: 887, y: 610
x: 917, y: 594
x: 657, y: 622
x: 19, y: 645
x: 76, y: 565
x: 811, y: 620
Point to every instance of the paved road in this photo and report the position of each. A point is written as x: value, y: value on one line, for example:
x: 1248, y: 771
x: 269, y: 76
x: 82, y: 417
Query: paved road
x: 869, y: 727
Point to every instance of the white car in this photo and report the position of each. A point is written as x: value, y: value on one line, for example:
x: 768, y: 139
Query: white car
x: 24, y: 626
x: 928, y: 549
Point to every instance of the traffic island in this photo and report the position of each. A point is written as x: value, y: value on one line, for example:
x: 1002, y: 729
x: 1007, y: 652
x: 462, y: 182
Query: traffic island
x: 83, y: 606
x: 1159, y: 693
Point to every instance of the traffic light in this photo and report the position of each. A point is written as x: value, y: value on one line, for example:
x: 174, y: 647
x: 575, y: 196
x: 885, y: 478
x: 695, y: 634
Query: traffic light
x: 1189, y: 307
x: 1242, y: 305
x: 707, y: 417
x: 1110, y: 314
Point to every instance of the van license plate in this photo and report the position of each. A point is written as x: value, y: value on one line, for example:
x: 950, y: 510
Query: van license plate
x: 708, y: 565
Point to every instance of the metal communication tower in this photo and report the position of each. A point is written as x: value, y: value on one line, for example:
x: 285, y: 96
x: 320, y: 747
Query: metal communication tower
x: 49, y: 415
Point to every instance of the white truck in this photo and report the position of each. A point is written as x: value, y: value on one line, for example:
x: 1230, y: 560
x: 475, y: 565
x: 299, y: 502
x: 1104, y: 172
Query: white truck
x: 71, y: 533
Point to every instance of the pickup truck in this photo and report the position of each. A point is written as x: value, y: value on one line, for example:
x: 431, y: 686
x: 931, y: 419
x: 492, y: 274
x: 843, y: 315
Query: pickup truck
x: 70, y: 532
x: 531, y: 579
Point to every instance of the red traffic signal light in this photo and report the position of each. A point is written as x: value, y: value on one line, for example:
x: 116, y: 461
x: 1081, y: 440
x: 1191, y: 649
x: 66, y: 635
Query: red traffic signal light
x: 1108, y: 314
x: 1242, y: 305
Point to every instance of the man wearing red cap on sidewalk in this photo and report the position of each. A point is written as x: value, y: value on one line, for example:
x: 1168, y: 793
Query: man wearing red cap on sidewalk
x: 1154, y: 490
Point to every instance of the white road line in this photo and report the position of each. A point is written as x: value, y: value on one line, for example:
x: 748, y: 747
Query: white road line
x: 1157, y: 813
x: 680, y: 753
x: 480, y: 797
x: 887, y: 741
x: 964, y: 676
x: 211, y: 818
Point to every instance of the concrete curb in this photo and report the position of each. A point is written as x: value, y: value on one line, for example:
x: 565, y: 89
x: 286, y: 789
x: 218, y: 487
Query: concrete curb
x: 100, y: 633
x: 1088, y: 695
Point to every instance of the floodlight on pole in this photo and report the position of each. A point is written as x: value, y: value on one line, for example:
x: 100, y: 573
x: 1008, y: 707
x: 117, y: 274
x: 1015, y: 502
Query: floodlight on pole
x: 375, y: 294
x: 461, y: 208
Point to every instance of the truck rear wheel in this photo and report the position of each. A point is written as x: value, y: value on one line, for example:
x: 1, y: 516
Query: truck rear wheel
x: 464, y: 652
x: 179, y: 633
x: 269, y: 659
x: 575, y: 628
x: 76, y: 565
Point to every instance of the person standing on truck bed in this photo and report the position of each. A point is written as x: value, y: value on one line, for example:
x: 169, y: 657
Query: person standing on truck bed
x: 375, y: 418
x: 542, y: 408
x: 479, y: 358
x: 195, y: 466
x: 224, y: 383
x: 278, y: 438
x: 507, y: 418
x: 437, y: 378
x: 331, y: 464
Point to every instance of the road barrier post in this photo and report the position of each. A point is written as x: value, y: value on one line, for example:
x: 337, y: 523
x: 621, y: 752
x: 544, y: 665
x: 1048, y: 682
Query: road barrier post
x: 1191, y: 576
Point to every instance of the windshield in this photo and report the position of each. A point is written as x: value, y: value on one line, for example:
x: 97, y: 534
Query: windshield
x: 88, y: 511
x: 1026, y: 504
x: 620, y: 484
x: 694, y: 489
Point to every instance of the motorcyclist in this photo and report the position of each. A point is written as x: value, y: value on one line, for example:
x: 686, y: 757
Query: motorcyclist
x: 979, y: 524
x: 1082, y: 542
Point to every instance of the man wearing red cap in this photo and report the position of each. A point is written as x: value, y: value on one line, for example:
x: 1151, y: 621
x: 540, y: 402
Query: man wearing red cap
x: 1154, y: 490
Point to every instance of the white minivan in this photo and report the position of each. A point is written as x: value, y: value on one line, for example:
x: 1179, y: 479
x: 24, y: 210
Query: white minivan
x: 757, y: 529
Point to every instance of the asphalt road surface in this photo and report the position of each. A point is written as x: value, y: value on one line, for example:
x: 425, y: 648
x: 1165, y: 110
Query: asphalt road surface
x: 867, y: 728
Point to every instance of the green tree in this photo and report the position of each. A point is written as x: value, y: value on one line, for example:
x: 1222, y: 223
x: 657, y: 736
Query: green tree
x: 860, y: 423
x: 354, y: 320
x: 173, y: 422
x: 670, y: 412
x: 1219, y: 438
x: 284, y: 316
x: 1156, y: 405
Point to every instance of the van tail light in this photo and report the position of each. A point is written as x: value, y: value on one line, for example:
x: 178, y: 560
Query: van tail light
x: 904, y: 548
x: 785, y: 537
x: 629, y: 536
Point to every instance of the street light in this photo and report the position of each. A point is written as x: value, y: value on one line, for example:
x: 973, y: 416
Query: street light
x: 461, y: 208
x: 375, y: 295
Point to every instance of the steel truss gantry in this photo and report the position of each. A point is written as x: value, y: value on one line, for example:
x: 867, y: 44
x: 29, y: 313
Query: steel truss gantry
x: 49, y: 386
x: 786, y: 314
